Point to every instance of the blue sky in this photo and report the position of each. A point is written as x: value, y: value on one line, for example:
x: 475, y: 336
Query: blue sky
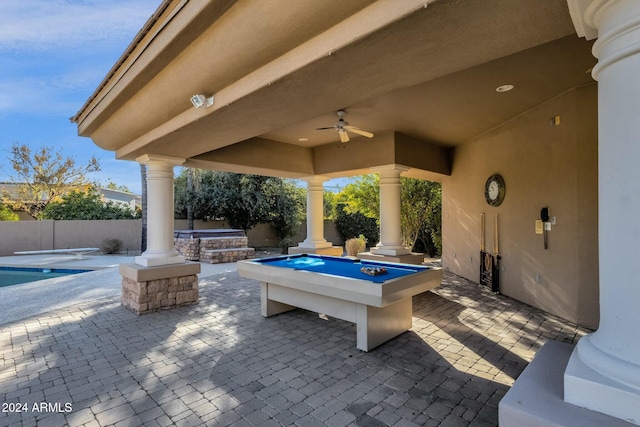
x: 53, y: 54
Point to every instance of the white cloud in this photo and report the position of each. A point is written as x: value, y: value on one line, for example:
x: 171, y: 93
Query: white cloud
x: 34, y: 95
x: 52, y: 24
x: 16, y: 95
x: 56, y: 51
x: 6, y: 100
x: 82, y: 76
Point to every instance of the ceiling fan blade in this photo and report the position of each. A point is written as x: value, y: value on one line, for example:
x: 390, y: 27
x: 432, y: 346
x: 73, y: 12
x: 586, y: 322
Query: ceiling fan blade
x: 359, y: 131
x: 343, y: 135
x: 327, y: 128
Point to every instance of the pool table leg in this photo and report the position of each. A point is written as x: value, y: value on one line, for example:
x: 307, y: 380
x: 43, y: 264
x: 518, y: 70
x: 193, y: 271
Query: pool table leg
x: 376, y: 325
x: 269, y: 307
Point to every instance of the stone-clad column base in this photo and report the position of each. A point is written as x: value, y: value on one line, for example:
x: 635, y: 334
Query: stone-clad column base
x: 149, y: 289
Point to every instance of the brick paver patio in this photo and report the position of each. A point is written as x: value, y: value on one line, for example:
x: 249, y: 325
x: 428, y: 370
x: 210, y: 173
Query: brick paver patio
x: 219, y: 363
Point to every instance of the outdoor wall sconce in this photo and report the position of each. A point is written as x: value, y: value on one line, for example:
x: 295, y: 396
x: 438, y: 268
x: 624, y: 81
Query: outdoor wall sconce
x: 201, y: 100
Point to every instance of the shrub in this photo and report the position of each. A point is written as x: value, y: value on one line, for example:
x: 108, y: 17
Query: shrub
x: 355, y: 245
x: 7, y: 214
x: 111, y: 246
x: 85, y: 206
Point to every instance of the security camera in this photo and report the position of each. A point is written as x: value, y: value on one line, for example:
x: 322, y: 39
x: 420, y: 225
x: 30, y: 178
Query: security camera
x: 201, y: 100
x: 198, y: 100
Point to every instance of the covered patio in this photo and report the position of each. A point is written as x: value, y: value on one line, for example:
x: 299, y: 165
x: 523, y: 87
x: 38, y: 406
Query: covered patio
x: 452, y: 91
x: 220, y: 363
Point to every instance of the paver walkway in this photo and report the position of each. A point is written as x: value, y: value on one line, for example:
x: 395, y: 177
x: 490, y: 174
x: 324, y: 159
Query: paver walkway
x: 220, y: 363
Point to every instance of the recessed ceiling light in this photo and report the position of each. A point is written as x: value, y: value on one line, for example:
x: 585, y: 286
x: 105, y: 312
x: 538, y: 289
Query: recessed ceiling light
x: 303, y: 139
x: 504, y: 88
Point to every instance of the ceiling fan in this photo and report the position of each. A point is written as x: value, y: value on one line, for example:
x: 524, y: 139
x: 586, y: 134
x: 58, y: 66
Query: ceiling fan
x: 343, y: 127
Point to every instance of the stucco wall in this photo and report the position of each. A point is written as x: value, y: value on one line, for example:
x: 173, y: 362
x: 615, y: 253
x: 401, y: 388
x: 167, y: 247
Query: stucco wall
x: 543, y: 165
x: 50, y: 234
x: 263, y: 235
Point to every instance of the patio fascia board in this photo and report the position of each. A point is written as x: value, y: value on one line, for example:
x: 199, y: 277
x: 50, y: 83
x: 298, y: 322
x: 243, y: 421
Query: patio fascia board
x: 171, y: 28
x: 333, y: 160
x: 251, y: 156
x: 421, y: 157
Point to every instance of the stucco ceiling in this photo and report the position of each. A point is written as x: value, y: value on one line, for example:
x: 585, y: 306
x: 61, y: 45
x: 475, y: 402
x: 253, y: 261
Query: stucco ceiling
x: 455, y: 108
x: 427, y: 72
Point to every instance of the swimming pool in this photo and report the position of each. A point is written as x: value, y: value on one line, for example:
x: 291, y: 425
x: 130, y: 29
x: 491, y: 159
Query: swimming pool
x: 16, y: 275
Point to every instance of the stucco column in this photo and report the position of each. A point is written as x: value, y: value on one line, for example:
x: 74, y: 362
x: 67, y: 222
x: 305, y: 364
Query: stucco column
x: 160, y: 247
x: 315, y: 214
x: 603, y: 373
x: 390, y: 229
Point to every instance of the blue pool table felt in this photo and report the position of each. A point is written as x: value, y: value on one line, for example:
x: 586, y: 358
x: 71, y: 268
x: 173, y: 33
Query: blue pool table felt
x: 344, y: 267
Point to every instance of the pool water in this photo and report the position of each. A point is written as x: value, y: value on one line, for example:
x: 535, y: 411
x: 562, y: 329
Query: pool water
x: 16, y: 275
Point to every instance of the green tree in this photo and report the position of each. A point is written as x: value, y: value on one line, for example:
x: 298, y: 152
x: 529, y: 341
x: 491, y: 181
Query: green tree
x: 242, y: 200
x: 45, y: 175
x: 113, y: 186
x: 362, y: 195
x: 420, y: 215
x: 6, y: 214
x: 195, y: 198
x: 86, y: 206
x: 329, y: 204
x: 420, y: 209
x: 430, y: 236
x: 238, y: 198
x: 180, y: 198
x: 286, y: 208
x: 193, y: 188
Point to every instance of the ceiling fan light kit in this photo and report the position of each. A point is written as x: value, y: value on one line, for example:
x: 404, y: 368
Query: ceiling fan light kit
x: 343, y: 128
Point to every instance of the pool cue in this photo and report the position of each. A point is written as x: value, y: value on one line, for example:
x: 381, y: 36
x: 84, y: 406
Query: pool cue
x: 495, y: 281
x: 482, y: 253
x: 495, y: 234
x: 482, y: 233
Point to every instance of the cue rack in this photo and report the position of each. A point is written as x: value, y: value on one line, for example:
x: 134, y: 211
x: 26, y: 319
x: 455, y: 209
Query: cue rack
x: 489, y: 263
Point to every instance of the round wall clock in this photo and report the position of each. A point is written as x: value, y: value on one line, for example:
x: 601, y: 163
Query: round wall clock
x: 494, y: 190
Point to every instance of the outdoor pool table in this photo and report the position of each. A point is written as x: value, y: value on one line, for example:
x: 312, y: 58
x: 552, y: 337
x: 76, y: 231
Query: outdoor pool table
x: 379, y: 305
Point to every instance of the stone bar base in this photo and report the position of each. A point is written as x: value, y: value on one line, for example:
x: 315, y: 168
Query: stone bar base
x: 411, y: 258
x: 221, y: 256
x: 331, y: 250
x: 188, y: 248
x: 218, y: 249
x: 223, y: 242
x: 537, y: 397
x: 149, y: 289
